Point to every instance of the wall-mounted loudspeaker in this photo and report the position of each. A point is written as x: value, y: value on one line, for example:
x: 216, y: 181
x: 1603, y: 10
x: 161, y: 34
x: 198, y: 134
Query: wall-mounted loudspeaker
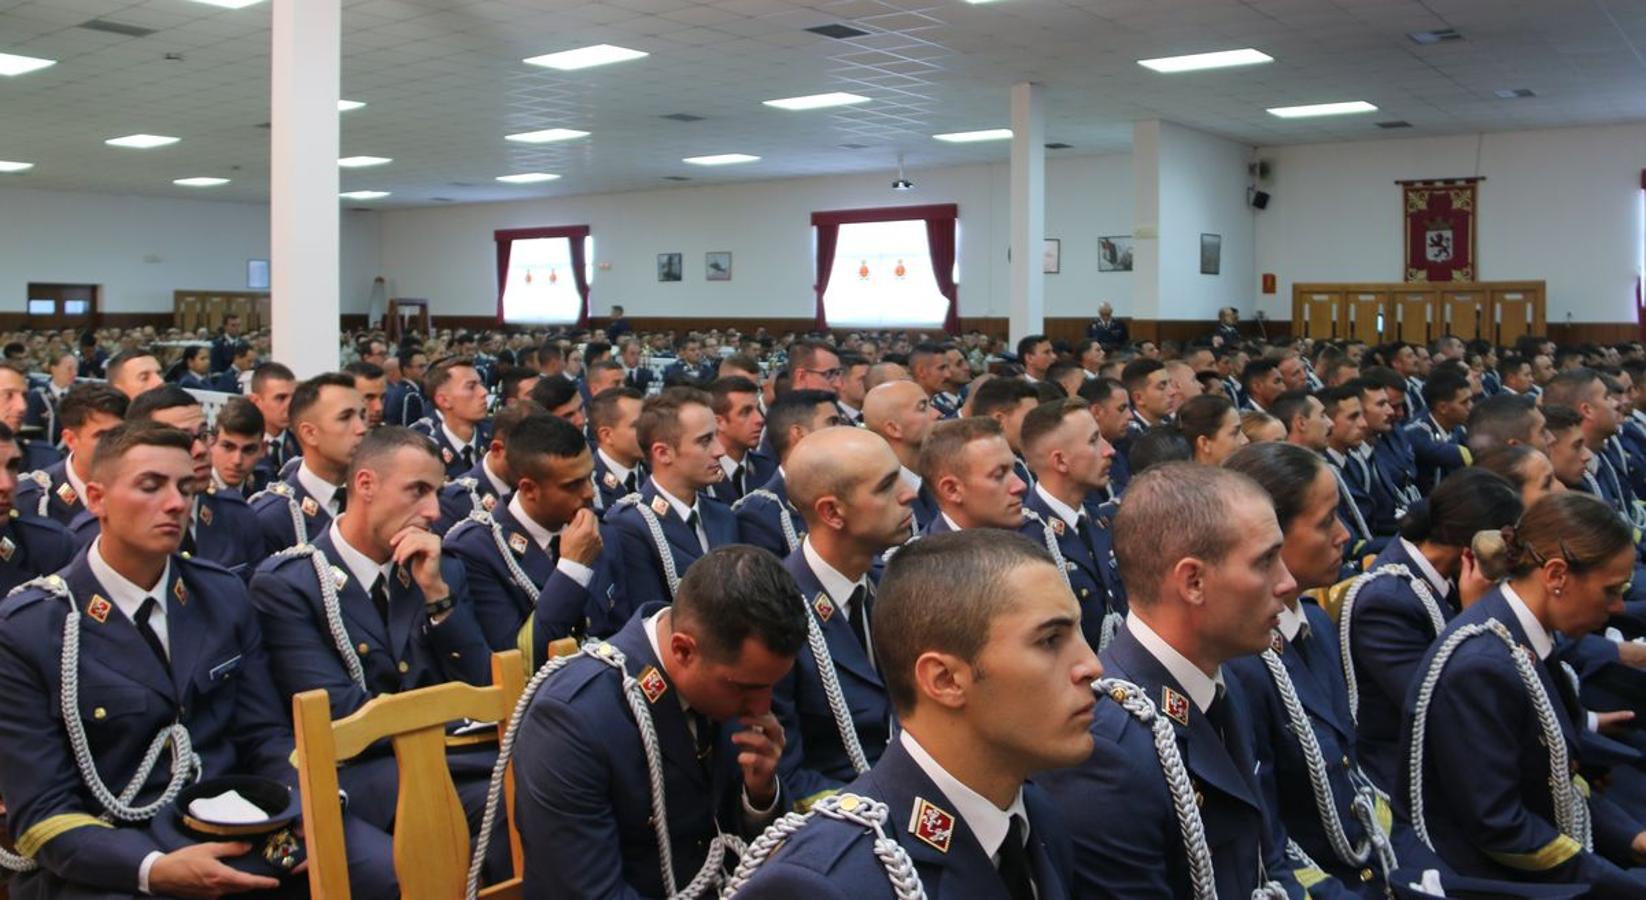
x: 1260, y: 199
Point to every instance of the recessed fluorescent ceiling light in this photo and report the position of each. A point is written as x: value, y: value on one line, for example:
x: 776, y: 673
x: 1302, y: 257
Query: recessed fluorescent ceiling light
x: 818, y: 101
x: 585, y: 57
x: 1196, y: 61
x: 16, y: 65
x: 15, y: 166
x: 230, y: 4
x: 363, y: 195
x: 547, y: 135
x: 141, y: 141
x: 346, y: 105
x: 1322, y: 109
x: 721, y: 159
x: 361, y: 162
x: 200, y: 182
x: 967, y: 137
x: 527, y: 178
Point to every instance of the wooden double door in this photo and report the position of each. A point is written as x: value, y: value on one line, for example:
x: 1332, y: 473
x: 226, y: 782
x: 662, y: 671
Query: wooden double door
x: 1499, y: 311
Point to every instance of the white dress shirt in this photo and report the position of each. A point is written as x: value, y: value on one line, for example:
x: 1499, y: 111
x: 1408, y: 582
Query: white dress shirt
x: 579, y: 573
x: 501, y: 487
x: 129, y: 597
x: 324, y: 492
x: 1062, y: 510
x: 458, y: 444
x: 618, y: 470
x: 1439, y: 585
x: 1201, y: 688
x: 684, y: 511
x: 988, y: 823
x: 1292, y: 621
x: 361, y: 566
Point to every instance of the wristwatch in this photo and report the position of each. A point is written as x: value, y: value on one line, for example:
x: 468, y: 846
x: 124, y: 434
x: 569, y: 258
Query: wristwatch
x: 438, y: 608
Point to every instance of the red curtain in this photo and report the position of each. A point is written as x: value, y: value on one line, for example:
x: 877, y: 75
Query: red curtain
x: 940, y: 221
x: 575, y: 234
x: 1640, y: 301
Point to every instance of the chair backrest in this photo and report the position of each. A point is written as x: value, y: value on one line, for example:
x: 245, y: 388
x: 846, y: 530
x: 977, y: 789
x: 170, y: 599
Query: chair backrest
x: 431, y: 834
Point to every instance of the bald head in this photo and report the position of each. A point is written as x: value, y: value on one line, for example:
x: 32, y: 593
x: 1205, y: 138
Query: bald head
x: 848, y: 484
x: 881, y: 373
x: 828, y: 461
x: 888, y: 402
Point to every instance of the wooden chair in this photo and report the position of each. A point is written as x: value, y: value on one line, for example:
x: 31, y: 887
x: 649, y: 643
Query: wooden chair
x: 431, y: 834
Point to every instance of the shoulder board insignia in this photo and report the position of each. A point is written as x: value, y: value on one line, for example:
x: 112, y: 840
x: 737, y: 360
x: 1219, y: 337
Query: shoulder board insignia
x: 211, y: 490
x: 405, y: 577
x: 603, y: 650
x: 660, y: 506
x: 825, y: 609
x: 181, y: 592
x: 339, y: 576
x: 488, y: 502
x: 446, y: 454
x: 517, y: 543
x: 310, y: 507
x: 15, y: 512
x: 41, y: 478
x: 1119, y: 694
x: 653, y: 684
x: 1175, y: 705
x: 1277, y: 642
x: 1058, y: 526
x: 66, y: 493
x: 932, y: 824
x: 205, y: 515
x: 7, y: 548
x: 610, y: 481
x: 99, y: 608
x: 281, y: 488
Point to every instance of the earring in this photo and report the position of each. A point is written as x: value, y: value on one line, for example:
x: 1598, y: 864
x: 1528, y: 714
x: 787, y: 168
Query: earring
x: 1559, y: 591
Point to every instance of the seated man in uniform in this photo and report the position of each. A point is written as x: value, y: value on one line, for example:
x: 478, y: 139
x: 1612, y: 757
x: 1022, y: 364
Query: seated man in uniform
x: 165, y: 643
x: 56, y: 492
x: 329, y: 419
x: 682, y: 444
x: 978, y: 639
x: 30, y: 546
x: 272, y: 386
x: 371, y: 381
x: 551, y: 583
x: 1199, y: 549
x: 741, y: 422
x: 220, y: 526
x: 236, y: 446
x: 14, y: 408
x: 972, y: 472
x: 704, y: 668
x: 490, y: 481
x: 901, y: 413
x: 1070, y: 460
x: 458, y: 423
x: 619, y: 466
x: 846, y: 484
x: 765, y: 517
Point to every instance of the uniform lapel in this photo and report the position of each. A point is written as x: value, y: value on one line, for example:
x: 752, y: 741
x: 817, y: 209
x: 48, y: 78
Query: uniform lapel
x: 837, y: 630
x: 186, y: 629
x: 944, y: 850
x: 353, y: 598
x: 534, y: 562
x: 107, y: 636
x: 668, y: 717
x: 405, y: 609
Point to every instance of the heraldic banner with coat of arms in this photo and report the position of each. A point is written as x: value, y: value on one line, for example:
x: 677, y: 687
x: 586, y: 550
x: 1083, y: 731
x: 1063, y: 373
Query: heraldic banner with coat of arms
x: 1440, y: 229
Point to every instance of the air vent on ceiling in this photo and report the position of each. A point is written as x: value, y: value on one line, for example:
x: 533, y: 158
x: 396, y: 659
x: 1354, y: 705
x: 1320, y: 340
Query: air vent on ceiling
x: 1058, y: 145
x: 838, y: 32
x: 1397, y: 123
x: 461, y: 183
x: 677, y: 178
x: 854, y: 146
x: 117, y: 28
x: 1436, y: 36
x: 682, y: 117
x: 442, y: 199
x: 1515, y: 93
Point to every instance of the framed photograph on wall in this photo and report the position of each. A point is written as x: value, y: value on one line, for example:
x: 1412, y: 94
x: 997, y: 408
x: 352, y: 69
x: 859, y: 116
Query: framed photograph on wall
x: 717, y: 265
x: 670, y: 266
x: 257, y: 274
x: 1051, y: 256
x: 1114, y: 253
x: 1211, y: 254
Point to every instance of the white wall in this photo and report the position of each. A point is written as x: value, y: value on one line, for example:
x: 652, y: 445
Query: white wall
x: 141, y: 249
x: 447, y: 254
x: 1561, y: 205
x: 1203, y: 191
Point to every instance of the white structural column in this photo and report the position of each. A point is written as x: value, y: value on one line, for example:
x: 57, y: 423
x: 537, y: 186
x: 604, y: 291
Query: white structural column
x: 1028, y: 220
x: 303, y: 183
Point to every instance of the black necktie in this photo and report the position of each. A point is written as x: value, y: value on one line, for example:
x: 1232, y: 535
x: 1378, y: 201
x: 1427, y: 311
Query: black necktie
x: 691, y: 521
x: 858, y: 616
x: 188, y: 545
x: 554, y: 548
x: 342, y: 498
x: 706, y: 733
x: 147, y: 631
x: 632, y: 483
x: 468, y: 456
x: 274, y: 454
x: 1219, y: 715
x: 380, y: 598
x: 737, y: 480
x: 1015, y: 869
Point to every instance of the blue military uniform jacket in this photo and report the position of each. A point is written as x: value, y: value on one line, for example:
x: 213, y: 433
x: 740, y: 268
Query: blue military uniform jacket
x: 47, y: 493
x: 222, y: 352
x: 1415, y: 407
x: 42, y: 415
x: 680, y: 372
x: 814, y: 758
x: 1438, y: 452
x: 1088, y: 571
x: 644, y: 580
x: 758, y: 468
x: 640, y: 378
x: 402, y: 403
x: 1499, y: 821
x: 583, y: 802
x: 452, y: 454
x: 1389, y: 631
x: 225, y: 531
x: 218, y: 687
x: 924, y: 507
x: 1143, y: 856
x: 609, y: 488
x: 833, y: 860
x: 273, y: 509
x: 1396, y: 470
x: 31, y: 546
x: 564, y: 608
x: 1108, y: 332
x: 459, y: 495
x: 196, y: 382
x: 760, y: 518
x: 405, y: 654
x: 1631, y: 444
